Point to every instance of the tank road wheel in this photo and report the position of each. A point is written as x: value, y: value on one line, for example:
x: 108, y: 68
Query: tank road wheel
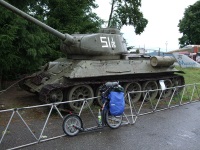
x: 55, y: 95
x: 98, y: 100
x: 167, y: 92
x: 80, y: 92
x: 150, y: 85
x: 130, y: 87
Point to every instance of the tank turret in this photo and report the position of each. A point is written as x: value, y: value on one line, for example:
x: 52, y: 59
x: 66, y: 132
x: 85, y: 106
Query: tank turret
x: 93, y: 59
x: 106, y: 42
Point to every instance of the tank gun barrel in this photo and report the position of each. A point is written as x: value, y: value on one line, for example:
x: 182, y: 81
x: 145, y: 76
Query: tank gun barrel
x: 37, y: 22
x: 106, y: 42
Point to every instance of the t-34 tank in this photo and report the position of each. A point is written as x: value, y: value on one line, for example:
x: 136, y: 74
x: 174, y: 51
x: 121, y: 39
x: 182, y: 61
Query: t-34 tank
x: 93, y: 59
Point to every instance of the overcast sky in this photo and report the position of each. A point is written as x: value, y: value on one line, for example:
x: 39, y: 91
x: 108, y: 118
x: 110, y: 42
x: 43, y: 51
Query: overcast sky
x: 162, y: 29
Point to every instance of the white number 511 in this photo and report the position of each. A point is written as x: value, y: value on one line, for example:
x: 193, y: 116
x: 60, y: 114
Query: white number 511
x: 107, y: 43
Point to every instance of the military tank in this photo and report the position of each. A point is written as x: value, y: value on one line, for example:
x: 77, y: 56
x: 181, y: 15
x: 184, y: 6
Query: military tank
x: 93, y: 59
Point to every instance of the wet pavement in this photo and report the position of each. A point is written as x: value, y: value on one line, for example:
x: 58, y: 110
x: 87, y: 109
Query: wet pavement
x: 174, y: 129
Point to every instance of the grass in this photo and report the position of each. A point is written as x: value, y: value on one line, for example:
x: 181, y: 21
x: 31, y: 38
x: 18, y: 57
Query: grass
x: 192, y: 75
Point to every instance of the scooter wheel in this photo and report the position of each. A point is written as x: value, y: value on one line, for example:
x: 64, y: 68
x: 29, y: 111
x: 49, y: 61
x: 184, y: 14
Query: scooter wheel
x: 71, y: 124
x: 113, y: 121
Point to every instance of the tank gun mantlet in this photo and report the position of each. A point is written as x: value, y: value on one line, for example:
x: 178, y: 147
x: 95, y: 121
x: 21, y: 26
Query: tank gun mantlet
x: 69, y: 40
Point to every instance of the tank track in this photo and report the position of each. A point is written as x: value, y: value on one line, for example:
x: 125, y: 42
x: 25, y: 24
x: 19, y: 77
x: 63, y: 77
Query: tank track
x: 44, y: 93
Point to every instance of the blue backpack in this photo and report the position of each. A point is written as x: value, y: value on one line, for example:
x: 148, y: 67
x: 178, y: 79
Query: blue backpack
x: 117, y: 103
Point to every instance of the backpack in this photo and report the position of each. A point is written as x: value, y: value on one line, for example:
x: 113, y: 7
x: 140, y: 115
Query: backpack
x: 117, y: 103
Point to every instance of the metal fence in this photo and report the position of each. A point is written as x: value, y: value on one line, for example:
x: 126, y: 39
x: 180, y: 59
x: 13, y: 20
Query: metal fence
x: 21, y: 127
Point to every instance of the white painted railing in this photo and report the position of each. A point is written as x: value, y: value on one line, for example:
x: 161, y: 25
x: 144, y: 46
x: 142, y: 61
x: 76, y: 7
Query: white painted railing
x: 20, y: 128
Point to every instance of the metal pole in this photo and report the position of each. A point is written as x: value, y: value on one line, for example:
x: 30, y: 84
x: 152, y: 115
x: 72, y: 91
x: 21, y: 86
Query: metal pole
x: 166, y: 45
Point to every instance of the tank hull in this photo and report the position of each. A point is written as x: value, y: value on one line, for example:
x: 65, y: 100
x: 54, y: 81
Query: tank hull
x: 66, y: 77
x: 65, y: 70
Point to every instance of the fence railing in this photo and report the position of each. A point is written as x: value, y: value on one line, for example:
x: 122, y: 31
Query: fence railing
x: 180, y: 95
x: 20, y: 127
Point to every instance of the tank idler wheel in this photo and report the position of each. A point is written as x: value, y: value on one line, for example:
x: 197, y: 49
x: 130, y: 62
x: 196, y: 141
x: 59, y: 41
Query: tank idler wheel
x: 80, y: 92
x: 178, y: 81
x: 168, y: 92
x: 132, y: 87
x: 150, y: 85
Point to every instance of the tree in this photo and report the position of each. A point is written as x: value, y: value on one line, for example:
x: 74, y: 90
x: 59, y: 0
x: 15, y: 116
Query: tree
x: 24, y: 47
x: 189, y: 26
x: 22, y: 44
x: 127, y: 12
x: 74, y: 16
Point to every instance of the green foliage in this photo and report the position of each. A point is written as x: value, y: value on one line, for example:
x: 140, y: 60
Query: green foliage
x: 127, y: 12
x: 189, y: 26
x: 71, y: 17
x: 24, y: 47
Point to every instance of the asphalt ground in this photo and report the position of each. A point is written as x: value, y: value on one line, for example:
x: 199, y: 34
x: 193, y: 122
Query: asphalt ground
x: 173, y: 129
